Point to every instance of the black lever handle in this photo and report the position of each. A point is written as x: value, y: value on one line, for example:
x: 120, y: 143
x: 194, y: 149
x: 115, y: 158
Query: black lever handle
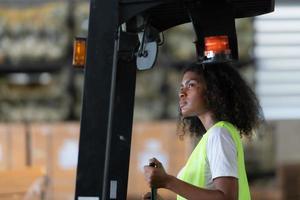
x: 153, y: 190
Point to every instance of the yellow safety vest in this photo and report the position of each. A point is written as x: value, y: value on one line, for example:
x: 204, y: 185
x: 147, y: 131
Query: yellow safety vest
x: 194, y: 170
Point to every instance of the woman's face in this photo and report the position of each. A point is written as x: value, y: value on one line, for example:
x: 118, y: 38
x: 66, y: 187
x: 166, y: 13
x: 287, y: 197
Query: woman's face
x: 191, y: 95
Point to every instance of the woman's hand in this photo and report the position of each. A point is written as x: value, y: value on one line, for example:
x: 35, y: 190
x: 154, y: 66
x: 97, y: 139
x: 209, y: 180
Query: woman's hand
x: 147, y: 196
x: 156, y: 176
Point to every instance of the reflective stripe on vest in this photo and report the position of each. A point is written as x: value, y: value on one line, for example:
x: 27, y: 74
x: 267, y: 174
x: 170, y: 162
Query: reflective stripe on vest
x: 194, y: 170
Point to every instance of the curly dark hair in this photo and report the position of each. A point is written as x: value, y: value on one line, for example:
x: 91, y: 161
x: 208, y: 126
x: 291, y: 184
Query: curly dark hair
x: 228, y: 97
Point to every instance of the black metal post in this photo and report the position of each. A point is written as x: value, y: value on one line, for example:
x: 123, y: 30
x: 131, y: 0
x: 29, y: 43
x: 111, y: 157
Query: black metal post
x: 108, y: 102
x: 117, y: 176
x: 96, y: 118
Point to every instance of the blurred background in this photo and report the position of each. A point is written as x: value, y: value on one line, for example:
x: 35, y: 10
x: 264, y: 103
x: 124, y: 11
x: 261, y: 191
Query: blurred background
x: 40, y: 101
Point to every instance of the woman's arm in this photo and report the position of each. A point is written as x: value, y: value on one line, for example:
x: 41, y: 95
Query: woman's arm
x: 226, y: 188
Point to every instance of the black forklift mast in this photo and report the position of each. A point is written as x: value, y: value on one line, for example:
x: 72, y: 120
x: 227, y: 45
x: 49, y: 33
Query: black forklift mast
x: 113, y: 46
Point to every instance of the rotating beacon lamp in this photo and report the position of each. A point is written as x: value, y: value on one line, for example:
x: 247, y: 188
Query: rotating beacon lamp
x: 216, y: 49
x: 115, y: 49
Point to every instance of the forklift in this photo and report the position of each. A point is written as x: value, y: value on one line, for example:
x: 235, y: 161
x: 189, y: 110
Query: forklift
x: 123, y: 37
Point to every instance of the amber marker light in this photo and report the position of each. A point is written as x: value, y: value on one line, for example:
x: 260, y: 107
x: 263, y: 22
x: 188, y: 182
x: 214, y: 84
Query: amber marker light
x: 215, y: 45
x: 79, y: 52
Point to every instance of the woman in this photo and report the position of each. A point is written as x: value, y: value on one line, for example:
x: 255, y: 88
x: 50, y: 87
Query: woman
x: 215, y: 102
